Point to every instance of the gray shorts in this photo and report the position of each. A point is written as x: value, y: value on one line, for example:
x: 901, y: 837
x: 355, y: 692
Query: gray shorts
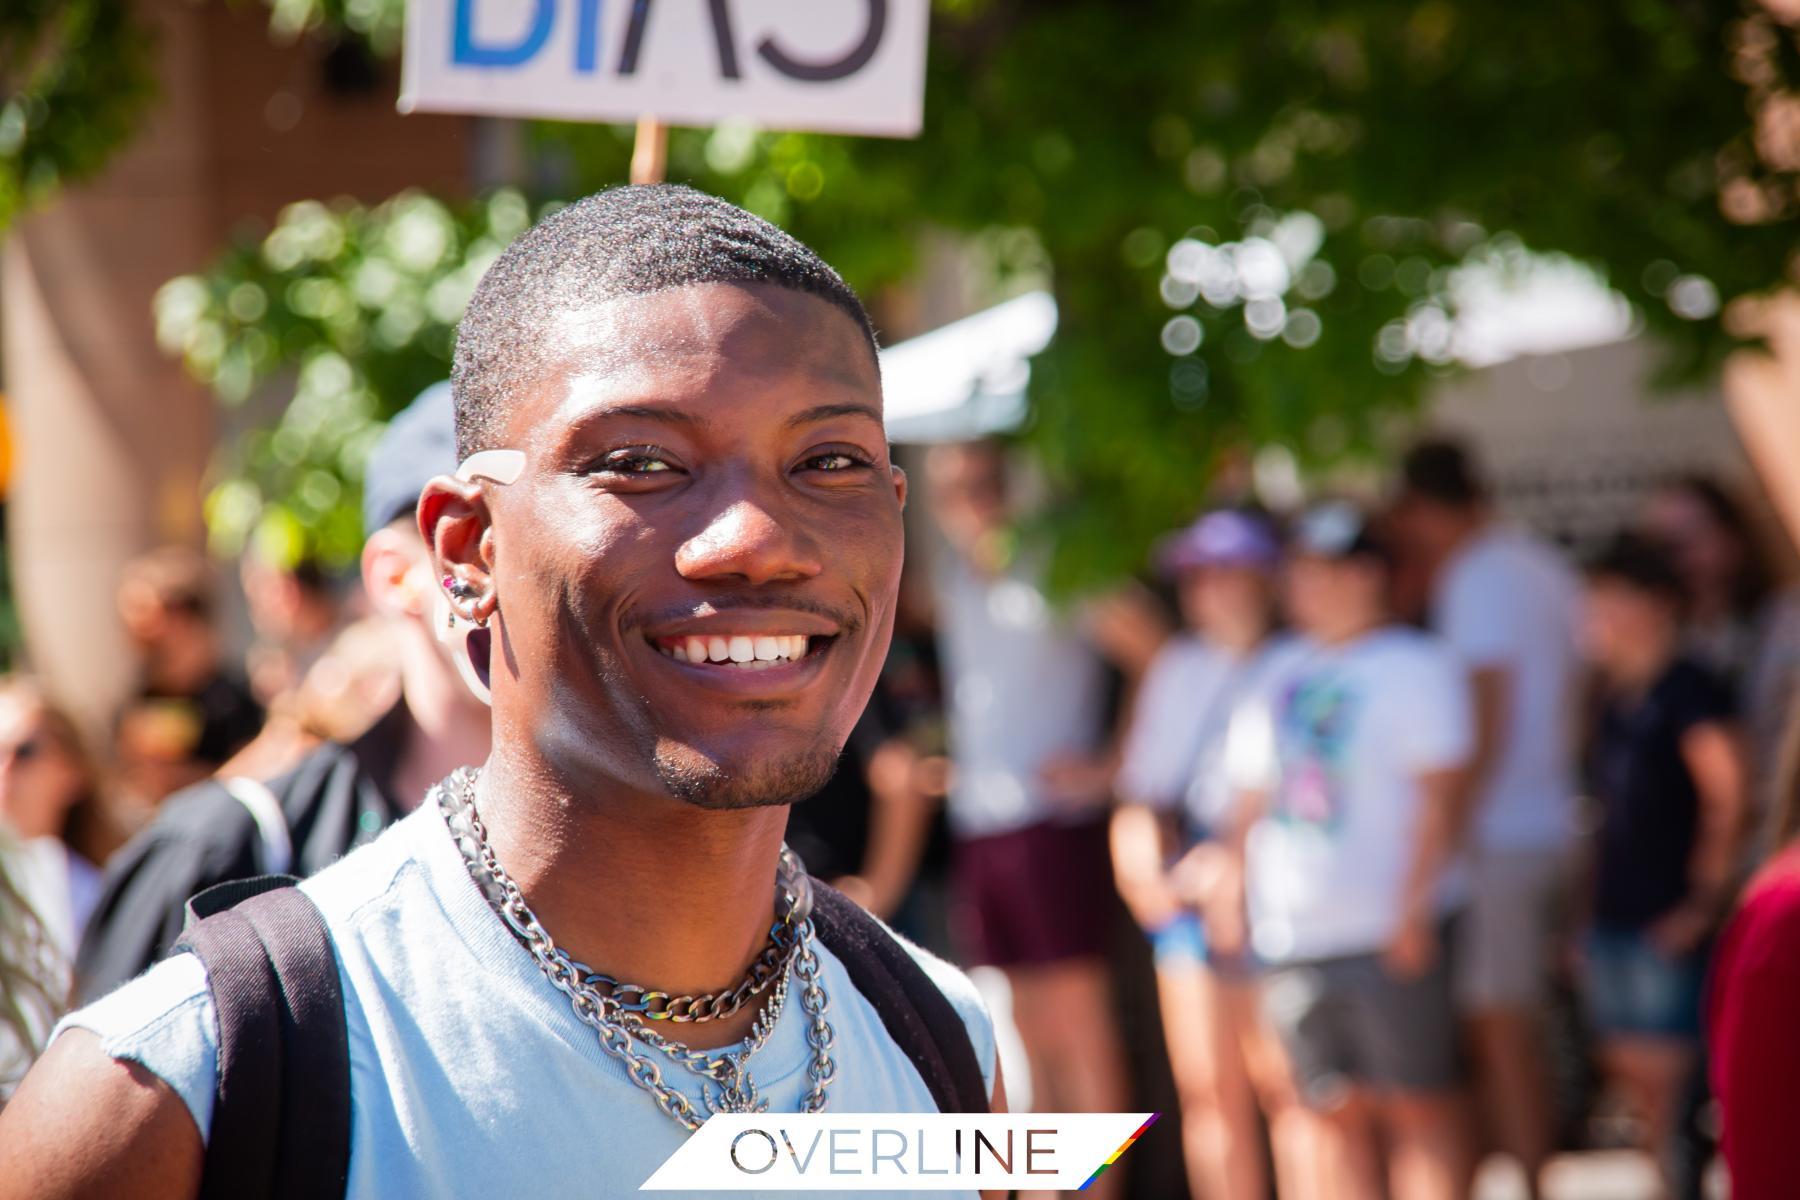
x: 1347, y: 1023
x: 1504, y: 935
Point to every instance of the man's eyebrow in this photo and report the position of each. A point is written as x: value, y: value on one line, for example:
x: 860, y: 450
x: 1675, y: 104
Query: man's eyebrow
x: 824, y: 412
x: 668, y: 414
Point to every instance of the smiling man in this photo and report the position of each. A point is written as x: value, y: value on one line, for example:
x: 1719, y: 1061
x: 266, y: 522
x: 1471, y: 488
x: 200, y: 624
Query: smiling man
x: 678, y: 525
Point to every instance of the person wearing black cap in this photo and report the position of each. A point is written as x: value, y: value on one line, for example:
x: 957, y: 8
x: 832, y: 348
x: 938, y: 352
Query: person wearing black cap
x: 1349, y: 769
x: 342, y: 794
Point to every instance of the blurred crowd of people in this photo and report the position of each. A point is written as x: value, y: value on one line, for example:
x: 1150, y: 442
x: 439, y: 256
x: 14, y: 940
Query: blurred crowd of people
x: 1405, y: 802
x: 1431, y: 825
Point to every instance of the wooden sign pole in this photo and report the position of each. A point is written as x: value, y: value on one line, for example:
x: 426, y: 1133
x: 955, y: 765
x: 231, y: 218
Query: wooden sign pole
x: 650, y: 153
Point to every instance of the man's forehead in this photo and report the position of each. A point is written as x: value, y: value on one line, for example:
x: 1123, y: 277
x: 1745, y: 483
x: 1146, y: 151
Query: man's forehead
x: 689, y: 351
x: 759, y: 327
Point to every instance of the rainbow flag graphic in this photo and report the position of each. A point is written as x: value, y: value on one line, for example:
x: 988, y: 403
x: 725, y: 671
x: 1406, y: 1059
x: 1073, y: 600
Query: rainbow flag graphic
x: 1114, y: 1157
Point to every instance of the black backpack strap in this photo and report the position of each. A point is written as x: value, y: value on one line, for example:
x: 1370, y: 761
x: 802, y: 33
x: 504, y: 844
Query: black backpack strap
x: 921, y: 1021
x: 281, y: 1117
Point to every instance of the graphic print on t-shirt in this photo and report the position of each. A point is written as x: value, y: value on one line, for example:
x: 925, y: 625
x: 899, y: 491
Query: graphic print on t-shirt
x: 1314, y: 727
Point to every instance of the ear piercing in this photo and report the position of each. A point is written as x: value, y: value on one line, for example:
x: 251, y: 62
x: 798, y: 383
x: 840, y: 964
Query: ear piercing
x: 461, y: 591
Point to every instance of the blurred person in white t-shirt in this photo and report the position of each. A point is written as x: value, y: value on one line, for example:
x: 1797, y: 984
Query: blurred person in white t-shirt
x: 1174, y: 803
x: 1349, y: 767
x: 1509, y: 606
x: 1033, y: 757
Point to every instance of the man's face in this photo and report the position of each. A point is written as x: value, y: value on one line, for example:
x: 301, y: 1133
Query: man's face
x: 1619, y: 621
x: 968, y: 493
x: 1327, y: 595
x: 1423, y: 528
x: 1224, y: 599
x: 696, y: 573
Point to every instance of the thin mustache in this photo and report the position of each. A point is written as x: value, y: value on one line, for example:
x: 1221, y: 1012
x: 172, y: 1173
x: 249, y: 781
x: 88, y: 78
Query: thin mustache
x: 847, y: 622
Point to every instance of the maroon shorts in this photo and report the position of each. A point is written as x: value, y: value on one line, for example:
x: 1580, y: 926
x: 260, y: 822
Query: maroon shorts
x: 1041, y: 894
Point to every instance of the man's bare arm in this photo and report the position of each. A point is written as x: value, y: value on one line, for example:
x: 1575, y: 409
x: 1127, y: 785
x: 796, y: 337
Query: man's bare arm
x: 1490, y: 691
x: 85, y: 1126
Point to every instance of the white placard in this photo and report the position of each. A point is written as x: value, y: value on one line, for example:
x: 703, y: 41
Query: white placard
x: 840, y: 66
x: 884, y: 1152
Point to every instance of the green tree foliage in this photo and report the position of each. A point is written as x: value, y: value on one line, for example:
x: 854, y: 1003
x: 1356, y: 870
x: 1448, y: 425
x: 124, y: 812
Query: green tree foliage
x: 74, y: 79
x: 352, y: 310
x: 1252, y: 210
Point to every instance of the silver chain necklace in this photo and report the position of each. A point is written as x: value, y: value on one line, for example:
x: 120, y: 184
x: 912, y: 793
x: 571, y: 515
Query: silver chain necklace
x: 619, y: 1024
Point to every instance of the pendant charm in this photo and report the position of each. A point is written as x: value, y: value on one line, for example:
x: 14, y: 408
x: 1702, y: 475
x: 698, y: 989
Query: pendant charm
x: 736, y: 1093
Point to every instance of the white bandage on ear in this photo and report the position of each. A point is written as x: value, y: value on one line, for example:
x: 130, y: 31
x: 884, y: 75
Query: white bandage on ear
x: 501, y: 466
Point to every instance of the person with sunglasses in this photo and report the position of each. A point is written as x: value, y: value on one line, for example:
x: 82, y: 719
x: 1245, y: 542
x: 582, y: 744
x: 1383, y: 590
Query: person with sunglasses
x: 52, y: 804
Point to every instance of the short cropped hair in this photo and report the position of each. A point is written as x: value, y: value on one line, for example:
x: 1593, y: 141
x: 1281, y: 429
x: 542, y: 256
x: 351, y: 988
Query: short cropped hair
x: 626, y: 241
x: 1641, y: 564
x: 1443, y: 471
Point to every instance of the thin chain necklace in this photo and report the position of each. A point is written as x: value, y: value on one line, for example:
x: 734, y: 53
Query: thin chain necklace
x: 619, y: 1023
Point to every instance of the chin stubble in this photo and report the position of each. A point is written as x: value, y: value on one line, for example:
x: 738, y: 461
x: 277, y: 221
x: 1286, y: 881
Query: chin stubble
x: 705, y: 784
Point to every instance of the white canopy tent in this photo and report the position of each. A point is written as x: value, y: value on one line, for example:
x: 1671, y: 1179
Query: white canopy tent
x: 967, y: 379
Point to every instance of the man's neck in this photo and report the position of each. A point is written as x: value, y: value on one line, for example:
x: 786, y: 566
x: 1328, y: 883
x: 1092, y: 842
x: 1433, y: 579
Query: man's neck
x: 1634, y: 674
x: 1350, y: 630
x: 645, y: 888
x: 183, y: 663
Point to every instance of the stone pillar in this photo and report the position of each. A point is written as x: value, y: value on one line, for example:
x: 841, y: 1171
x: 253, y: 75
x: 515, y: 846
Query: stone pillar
x: 110, y: 437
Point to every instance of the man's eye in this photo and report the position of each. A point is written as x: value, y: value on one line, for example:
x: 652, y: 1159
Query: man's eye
x: 834, y: 461
x: 635, y: 462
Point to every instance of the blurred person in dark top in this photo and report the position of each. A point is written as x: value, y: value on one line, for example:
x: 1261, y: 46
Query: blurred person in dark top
x: 344, y: 793
x: 1715, y: 553
x: 868, y: 826
x: 1509, y: 606
x: 1173, y: 803
x: 1752, y: 1035
x: 1030, y: 786
x: 51, y: 802
x: 1665, y: 771
x: 190, y: 712
x: 871, y: 829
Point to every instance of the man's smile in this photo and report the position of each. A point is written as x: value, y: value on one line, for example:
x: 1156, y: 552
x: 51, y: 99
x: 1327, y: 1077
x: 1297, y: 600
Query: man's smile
x: 751, y: 652
x: 743, y: 650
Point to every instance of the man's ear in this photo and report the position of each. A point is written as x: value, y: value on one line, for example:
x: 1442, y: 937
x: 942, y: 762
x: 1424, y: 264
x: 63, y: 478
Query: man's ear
x: 391, y: 567
x: 900, y: 484
x: 456, y: 524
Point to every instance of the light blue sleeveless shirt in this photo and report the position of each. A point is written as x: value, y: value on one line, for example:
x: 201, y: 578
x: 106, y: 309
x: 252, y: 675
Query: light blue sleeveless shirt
x: 470, y: 1074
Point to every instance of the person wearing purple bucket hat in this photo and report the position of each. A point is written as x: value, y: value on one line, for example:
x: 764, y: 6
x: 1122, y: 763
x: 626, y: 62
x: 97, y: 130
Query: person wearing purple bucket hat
x: 1172, y: 799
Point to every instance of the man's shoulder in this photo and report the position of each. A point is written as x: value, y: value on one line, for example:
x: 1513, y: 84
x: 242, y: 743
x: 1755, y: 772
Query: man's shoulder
x: 1511, y: 561
x: 368, y: 877
x: 1397, y: 642
x: 207, y: 812
x: 163, y: 1021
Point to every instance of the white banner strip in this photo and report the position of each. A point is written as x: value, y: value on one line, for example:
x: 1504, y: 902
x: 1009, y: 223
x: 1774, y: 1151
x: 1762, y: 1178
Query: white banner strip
x: 871, y: 1152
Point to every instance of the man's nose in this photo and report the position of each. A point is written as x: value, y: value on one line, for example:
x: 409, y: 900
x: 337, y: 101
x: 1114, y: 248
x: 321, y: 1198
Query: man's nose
x: 750, y: 541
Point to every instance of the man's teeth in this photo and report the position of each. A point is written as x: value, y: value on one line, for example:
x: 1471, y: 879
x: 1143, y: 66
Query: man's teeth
x: 749, y: 653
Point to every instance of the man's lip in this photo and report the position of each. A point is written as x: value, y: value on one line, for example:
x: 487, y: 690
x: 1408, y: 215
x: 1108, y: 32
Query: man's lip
x: 746, y: 622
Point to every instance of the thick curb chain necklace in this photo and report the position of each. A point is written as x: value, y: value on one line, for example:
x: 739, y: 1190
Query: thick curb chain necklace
x: 620, y: 1014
